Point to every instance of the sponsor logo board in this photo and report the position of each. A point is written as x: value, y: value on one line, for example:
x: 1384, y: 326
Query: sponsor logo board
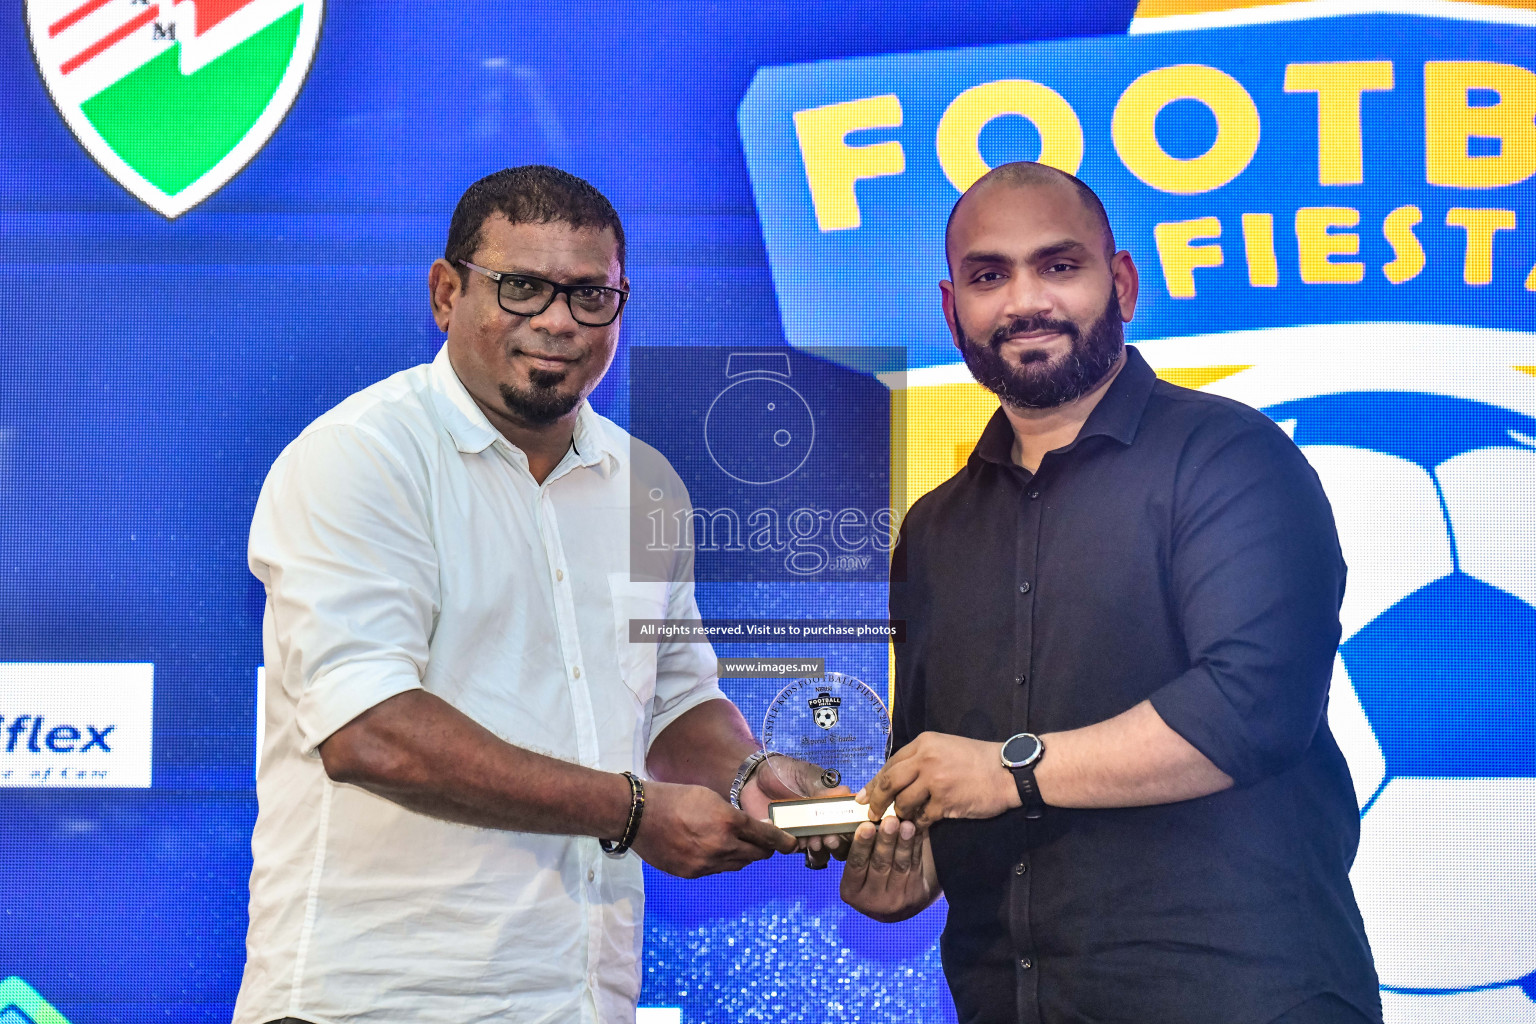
x: 76, y: 725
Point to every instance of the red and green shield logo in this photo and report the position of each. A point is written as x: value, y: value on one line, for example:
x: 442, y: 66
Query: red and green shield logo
x: 173, y: 97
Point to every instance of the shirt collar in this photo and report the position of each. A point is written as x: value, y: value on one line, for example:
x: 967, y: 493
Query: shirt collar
x: 593, y: 438
x: 1117, y: 415
x: 996, y: 442
x: 596, y: 440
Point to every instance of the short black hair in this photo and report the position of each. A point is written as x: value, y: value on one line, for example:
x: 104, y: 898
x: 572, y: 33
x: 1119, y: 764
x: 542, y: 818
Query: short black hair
x: 531, y: 194
x: 1024, y: 173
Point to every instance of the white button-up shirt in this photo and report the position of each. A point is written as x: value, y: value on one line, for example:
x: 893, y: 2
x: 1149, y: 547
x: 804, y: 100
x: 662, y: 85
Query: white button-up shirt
x: 404, y: 543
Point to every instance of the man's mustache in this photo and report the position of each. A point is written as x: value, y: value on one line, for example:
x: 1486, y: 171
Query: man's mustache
x: 1032, y: 325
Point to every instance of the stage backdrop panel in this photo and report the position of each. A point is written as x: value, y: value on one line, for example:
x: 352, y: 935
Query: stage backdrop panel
x: 217, y: 222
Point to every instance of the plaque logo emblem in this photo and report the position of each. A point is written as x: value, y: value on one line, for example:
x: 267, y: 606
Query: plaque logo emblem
x: 824, y: 708
x: 173, y: 97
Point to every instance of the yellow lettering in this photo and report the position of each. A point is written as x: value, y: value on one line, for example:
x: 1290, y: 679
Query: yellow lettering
x: 1135, y: 137
x: 1407, y: 253
x: 1450, y: 121
x: 1480, y: 226
x: 1259, y: 244
x: 1315, y: 243
x: 832, y: 167
x: 1179, y: 258
x: 1338, y: 86
x: 1530, y: 286
x: 1061, y: 134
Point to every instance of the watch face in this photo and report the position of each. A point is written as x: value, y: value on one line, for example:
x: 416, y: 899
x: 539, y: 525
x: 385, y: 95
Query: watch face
x: 1021, y: 751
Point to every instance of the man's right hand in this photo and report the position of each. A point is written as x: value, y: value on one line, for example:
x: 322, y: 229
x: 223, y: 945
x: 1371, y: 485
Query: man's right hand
x: 690, y: 831
x: 890, y: 874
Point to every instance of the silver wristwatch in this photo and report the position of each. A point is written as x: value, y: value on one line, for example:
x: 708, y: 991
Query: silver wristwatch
x: 1020, y: 754
x: 750, y: 765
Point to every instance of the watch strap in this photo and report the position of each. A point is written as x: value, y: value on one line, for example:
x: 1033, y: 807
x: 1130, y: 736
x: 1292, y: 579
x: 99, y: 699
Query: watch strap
x: 751, y: 764
x: 1029, y: 792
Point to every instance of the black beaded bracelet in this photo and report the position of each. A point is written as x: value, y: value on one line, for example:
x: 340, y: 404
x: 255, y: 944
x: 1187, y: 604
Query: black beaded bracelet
x: 636, y: 808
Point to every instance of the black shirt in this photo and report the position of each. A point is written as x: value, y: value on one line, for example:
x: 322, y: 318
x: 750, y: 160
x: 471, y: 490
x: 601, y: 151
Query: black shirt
x: 1182, y: 550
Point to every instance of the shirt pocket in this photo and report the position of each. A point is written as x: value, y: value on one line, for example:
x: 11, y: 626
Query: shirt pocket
x: 636, y: 600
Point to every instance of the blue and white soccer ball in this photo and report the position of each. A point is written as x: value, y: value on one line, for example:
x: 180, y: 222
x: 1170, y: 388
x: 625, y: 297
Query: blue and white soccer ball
x: 1425, y: 440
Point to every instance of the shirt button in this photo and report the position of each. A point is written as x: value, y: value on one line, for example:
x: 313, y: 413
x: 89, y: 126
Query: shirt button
x: 591, y: 876
x: 1019, y: 869
x: 1021, y: 678
x: 576, y: 672
x: 559, y: 575
x: 1024, y: 587
x: 1034, y: 495
x: 1026, y: 963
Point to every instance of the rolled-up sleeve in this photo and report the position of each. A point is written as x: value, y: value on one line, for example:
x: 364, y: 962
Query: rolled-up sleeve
x: 340, y: 540
x: 1257, y: 577
x: 686, y: 674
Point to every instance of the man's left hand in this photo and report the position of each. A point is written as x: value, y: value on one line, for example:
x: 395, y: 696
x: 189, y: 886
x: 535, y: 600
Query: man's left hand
x: 939, y: 776
x: 781, y: 777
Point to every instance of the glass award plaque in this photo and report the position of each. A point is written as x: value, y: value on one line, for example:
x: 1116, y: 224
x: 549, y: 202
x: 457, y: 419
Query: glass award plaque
x: 837, y: 724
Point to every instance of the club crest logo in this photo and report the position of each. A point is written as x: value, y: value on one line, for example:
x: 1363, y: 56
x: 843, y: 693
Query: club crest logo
x: 173, y: 97
x: 824, y: 708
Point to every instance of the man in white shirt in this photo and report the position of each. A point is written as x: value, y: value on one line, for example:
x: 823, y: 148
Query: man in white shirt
x: 451, y: 691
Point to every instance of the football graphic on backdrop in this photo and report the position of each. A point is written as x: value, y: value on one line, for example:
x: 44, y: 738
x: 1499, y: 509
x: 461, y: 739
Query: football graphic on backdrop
x: 1431, y: 698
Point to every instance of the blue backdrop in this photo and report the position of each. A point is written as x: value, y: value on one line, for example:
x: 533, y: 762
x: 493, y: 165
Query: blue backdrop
x: 153, y: 368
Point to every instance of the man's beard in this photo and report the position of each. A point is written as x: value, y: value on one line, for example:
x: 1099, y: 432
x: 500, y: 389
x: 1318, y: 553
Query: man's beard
x: 1039, y: 382
x: 541, y: 404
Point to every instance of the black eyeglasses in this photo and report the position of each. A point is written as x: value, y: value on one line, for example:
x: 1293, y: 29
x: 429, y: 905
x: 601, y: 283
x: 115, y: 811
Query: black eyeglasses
x: 521, y: 295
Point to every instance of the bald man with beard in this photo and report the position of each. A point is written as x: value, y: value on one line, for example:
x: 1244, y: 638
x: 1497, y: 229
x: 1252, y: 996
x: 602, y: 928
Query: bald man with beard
x: 1112, y: 753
